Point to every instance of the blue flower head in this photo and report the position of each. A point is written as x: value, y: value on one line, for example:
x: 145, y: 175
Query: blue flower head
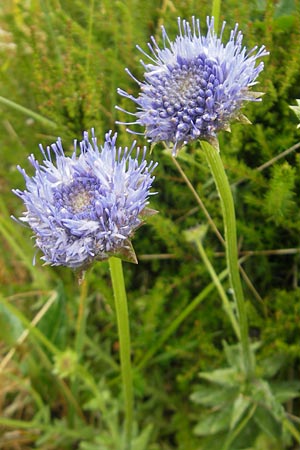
x: 86, y: 207
x: 194, y: 86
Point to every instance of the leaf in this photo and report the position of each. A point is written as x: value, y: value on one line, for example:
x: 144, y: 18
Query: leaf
x: 264, y: 442
x: 214, y: 423
x: 272, y: 364
x: 285, y: 390
x: 234, y: 354
x: 126, y: 252
x: 263, y: 396
x: 224, y: 377
x: 213, y: 396
x: 296, y: 110
x: 267, y: 423
x: 148, y: 212
x: 141, y: 442
x: 54, y: 323
x: 11, y: 327
x: 240, y: 406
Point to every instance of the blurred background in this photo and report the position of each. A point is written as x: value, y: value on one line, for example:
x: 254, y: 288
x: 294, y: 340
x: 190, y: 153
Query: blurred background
x: 61, y: 63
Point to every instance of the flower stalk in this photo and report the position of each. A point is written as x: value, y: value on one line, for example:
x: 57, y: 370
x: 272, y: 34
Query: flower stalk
x: 81, y: 319
x: 120, y: 297
x: 217, y: 169
x: 226, y: 304
x: 215, y: 12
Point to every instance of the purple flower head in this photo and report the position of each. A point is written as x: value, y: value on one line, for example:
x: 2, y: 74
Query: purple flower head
x: 87, y: 206
x: 194, y: 86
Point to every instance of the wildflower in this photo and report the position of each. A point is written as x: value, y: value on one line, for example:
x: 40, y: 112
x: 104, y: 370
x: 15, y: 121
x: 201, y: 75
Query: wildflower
x: 194, y: 86
x: 87, y: 206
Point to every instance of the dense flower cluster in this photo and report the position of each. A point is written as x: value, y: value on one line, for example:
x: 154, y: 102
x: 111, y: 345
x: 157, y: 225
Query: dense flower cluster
x: 86, y: 206
x: 194, y: 86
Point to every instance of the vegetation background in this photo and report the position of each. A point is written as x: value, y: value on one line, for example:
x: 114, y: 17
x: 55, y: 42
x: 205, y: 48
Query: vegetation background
x: 63, y: 61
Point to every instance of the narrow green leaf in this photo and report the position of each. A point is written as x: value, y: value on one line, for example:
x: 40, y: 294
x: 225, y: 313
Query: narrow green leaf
x: 240, y: 406
x: 11, y: 326
x: 28, y: 112
x: 54, y: 323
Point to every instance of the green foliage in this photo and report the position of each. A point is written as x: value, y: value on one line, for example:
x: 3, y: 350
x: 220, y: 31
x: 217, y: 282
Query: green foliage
x: 62, y: 61
x: 279, y: 198
x: 239, y: 411
x: 296, y: 110
x: 281, y: 327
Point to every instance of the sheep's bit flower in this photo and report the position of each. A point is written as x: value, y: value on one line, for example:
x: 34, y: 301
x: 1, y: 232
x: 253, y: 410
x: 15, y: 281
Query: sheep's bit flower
x: 86, y: 207
x: 194, y: 86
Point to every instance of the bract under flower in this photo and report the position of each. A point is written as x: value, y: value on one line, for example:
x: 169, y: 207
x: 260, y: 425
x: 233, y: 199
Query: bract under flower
x: 194, y: 86
x: 86, y: 207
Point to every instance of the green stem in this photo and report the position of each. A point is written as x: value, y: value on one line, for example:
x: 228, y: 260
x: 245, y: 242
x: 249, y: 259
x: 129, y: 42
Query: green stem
x: 223, y: 186
x: 292, y: 429
x: 212, y: 224
x: 118, y: 284
x: 236, y: 431
x: 62, y: 430
x: 216, y: 7
x: 79, y: 340
x: 220, y: 289
x: 81, y: 319
x: 198, y: 200
x: 28, y: 112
